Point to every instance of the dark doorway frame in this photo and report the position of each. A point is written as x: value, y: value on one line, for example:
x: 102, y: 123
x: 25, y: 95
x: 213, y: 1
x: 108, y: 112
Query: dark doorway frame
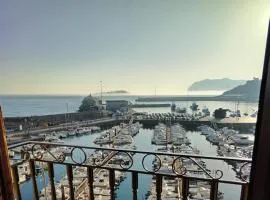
x: 260, y: 170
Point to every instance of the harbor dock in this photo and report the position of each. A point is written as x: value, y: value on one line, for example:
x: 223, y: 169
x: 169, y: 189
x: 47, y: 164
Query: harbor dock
x: 240, y: 123
x: 167, y: 135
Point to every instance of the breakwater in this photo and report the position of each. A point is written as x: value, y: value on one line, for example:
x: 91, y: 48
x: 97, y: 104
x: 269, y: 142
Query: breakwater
x: 14, y: 123
x: 196, y: 98
x: 157, y: 105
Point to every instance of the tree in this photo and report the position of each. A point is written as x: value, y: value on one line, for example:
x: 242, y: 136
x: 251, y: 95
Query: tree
x: 88, y: 103
x: 220, y: 113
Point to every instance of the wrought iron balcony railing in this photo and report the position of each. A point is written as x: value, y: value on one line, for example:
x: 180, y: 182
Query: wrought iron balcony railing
x: 184, y: 168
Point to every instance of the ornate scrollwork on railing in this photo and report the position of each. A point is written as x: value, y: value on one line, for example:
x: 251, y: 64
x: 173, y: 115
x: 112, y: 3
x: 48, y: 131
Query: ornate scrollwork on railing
x: 181, y: 169
x: 73, y: 157
x: 161, y: 162
x: 218, y: 174
x: 125, y: 164
x: 178, y: 170
x: 97, y: 162
x: 244, y: 171
x: 157, y: 167
x: 25, y: 154
x: 39, y: 151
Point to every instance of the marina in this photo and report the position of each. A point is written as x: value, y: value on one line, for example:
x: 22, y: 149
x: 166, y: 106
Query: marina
x: 164, y: 135
x: 188, y: 131
x: 135, y: 101
x: 169, y: 185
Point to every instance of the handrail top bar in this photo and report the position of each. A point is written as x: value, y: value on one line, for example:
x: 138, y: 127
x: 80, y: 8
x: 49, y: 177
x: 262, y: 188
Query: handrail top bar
x: 135, y: 151
x: 225, y: 181
x: 12, y: 146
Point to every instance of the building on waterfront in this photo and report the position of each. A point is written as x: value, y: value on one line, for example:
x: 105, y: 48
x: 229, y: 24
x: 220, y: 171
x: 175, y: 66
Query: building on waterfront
x: 90, y: 103
x: 117, y: 105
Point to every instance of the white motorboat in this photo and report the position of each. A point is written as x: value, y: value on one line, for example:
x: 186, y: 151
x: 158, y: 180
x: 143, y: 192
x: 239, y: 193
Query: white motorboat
x: 178, y: 135
x: 181, y: 110
x: 206, y: 130
x: 84, y: 130
x: 214, y: 138
x: 122, y: 139
x: 62, y: 134
x: 71, y: 133
x: 159, y: 137
x: 228, y: 132
x: 105, y: 138
x: 95, y: 129
x: 240, y: 140
x: 50, y: 138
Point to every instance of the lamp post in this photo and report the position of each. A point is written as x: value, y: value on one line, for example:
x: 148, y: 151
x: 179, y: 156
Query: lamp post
x: 101, y: 91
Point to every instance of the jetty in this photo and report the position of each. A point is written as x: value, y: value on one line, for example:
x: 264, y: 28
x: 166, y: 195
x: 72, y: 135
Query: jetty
x: 101, y: 188
x: 36, y: 134
x: 172, y: 188
x: 196, y: 98
x: 148, y: 105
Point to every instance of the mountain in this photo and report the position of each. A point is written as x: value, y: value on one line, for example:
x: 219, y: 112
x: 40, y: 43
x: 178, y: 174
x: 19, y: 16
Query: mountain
x: 215, y: 84
x: 251, y: 89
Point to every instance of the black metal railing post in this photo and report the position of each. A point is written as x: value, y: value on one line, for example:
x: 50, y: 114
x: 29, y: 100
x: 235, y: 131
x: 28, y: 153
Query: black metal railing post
x: 51, y: 180
x: 112, y: 183
x: 185, y: 188
x: 135, y: 185
x: 244, y: 192
x: 70, y: 181
x: 63, y: 192
x: 90, y: 176
x: 16, y: 185
x: 33, y: 177
x: 214, y: 189
x: 158, y: 186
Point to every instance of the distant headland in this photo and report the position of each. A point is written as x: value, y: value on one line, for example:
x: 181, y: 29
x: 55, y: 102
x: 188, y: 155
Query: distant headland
x: 215, y: 84
x: 251, y: 89
x: 248, y: 92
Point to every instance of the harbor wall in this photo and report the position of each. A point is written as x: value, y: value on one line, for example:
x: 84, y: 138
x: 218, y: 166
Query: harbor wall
x: 54, y: 120
x: 156, y: 105
x: 197, y: 98
x: 14, y: 123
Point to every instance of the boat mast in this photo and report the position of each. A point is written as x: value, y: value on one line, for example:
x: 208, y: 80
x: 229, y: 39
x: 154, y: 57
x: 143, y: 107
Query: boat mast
x: 66, y: 115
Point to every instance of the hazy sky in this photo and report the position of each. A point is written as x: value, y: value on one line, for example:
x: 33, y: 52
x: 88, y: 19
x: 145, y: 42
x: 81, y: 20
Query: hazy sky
x: 67, y: 46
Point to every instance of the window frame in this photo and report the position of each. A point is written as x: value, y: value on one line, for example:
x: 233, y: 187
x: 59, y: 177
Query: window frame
x: 259, y: 188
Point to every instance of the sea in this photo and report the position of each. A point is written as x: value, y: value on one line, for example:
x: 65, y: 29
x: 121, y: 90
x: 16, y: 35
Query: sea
x: 14, y: 106
x: 33, y: 105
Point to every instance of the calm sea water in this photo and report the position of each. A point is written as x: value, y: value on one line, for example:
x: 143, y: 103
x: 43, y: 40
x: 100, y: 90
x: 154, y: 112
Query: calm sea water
x: 14, y: 106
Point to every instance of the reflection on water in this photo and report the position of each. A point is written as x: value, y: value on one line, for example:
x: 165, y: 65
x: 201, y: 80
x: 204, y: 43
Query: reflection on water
x: 206, y: 148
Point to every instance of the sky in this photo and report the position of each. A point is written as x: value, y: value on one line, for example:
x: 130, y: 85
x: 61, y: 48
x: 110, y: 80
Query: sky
x: 68, y: 47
